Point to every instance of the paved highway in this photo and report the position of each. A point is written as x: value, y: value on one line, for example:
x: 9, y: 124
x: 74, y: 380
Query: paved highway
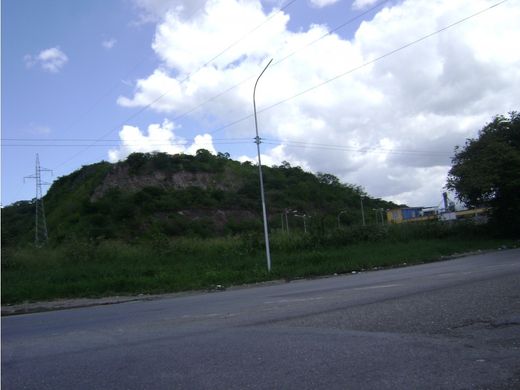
x: 445, y: 325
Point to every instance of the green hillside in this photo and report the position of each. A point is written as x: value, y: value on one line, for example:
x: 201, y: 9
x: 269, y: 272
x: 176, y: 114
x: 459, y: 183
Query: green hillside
x: 183, y: 195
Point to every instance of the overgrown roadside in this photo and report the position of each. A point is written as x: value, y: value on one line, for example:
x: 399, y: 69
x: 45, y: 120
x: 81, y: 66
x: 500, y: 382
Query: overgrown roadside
x: 60, y: 304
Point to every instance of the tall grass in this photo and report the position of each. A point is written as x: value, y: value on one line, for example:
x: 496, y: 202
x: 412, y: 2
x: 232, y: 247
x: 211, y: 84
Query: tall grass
x: 81, y: 268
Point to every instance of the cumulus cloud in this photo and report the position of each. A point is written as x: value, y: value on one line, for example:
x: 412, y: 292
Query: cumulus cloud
x: 51, y: 60
x: 155, y: 10
x: 361, y: 4
x: 160, y: 138
x: 40, y: 130
x: 276, y: 156
x: 109, y: 43
x: 323, y: 3
x: 390, y: 126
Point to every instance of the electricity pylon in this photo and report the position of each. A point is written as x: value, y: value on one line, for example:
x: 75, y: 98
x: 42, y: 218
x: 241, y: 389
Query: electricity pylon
x: 40, y: 224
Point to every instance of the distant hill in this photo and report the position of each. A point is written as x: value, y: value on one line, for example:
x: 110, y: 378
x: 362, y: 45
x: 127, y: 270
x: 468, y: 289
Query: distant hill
x: 177, y: 195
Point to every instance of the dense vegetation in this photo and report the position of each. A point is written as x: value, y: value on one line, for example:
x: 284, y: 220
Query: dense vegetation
x: 226, y: 203
x: 486, y: 172
x: 160, y: 223
x: 88, y: 268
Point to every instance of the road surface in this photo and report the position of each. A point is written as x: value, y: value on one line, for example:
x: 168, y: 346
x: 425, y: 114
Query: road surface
x: 444, y: 325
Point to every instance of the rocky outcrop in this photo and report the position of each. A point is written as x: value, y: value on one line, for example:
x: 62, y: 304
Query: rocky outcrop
x: 120, y: 177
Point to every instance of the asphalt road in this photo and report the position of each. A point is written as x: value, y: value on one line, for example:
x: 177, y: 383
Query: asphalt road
x: 445, y: 325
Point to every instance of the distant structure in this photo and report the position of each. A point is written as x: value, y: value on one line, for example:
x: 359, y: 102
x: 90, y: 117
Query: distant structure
x: 448, y: 213
x: 40, y: 224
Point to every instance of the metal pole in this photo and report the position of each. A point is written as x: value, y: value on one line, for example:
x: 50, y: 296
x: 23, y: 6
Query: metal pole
x: 362, y: 212
x: 257, y: 141
x: 37, y: 200
x: 339, y: 220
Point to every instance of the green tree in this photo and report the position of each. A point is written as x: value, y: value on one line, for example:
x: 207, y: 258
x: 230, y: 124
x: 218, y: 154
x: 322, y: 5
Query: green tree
x: 486, y: 172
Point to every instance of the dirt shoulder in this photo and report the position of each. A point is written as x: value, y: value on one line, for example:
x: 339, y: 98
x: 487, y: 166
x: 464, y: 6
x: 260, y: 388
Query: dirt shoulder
x: 73, y: 303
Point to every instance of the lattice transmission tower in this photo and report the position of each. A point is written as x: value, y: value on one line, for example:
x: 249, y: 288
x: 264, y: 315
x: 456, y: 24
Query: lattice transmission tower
x: 40, y: 224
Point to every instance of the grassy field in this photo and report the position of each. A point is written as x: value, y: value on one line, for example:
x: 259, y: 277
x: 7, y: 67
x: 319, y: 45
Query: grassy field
x: 93, y: 269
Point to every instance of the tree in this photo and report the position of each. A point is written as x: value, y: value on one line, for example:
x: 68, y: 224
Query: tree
x: 486, y: 171
x: 327, y: 178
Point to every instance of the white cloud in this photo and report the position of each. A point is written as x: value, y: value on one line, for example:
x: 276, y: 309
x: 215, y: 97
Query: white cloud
x: 36, y: 129
x: 323, y: 3
x: 361, y: 4
x: 51, y: 60
x: 276, y: 156
x: 40, y: 130
x: 109, y: 43
x: 393, y: 124
x: 204, y: 141
x: 155, y: 10
x: 160, y: 138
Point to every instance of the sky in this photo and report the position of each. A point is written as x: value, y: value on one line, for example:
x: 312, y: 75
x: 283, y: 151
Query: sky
x: 378, y: 93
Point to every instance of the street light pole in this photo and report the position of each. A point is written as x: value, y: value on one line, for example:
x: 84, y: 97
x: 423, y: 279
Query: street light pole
x: 264, y: 212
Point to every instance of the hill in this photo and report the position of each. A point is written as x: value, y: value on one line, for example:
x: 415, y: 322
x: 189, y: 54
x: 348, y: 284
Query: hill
x: 182, y: 195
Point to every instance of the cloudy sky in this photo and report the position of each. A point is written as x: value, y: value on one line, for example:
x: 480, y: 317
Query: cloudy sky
x: 376, y: 92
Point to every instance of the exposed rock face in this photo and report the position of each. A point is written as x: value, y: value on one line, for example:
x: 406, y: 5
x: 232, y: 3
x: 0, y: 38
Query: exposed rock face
x: 120, y: 177
x: 220, y: 217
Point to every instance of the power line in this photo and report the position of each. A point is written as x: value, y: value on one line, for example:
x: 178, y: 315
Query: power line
x: 94, y: 139
x: 247, y: 34
x: 66, y: 142
x: 142, y: 109
x: 362, y: 150
x: 267, y: 141
x: 338, y: 27
x: 116, y: 84
x: 239, y: 120
x: 127, y: 144
x: 308, y: 89
x: 347, y: 148
x: 221, y: 141
x: 310, y: 43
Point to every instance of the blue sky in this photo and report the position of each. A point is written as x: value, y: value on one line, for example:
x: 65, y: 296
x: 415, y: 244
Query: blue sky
x: 91, y: 69
x: 78, y: 101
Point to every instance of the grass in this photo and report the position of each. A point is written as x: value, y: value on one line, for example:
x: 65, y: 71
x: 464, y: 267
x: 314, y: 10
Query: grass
x: 89, y: 269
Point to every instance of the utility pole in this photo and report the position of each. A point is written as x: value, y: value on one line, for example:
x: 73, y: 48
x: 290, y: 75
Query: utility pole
x: 304, y: 217
x: 339, y: 215
x: 362, y: 211
x: 258, y: 141
x: 40, y: 224
x: 379, y: 214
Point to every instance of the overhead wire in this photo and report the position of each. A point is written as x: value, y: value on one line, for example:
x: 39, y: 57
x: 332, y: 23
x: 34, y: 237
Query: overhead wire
x: 144, y: 108
x: 294, y: 143
x: 92, y: 139
x: 311, y: 145
x: 66, y: 142
x: 352, y: 70
x: 127, y: 144
x: 241, y: 141
x: 279, y: 61
x: 338, y: 27
x: 115, y: 86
